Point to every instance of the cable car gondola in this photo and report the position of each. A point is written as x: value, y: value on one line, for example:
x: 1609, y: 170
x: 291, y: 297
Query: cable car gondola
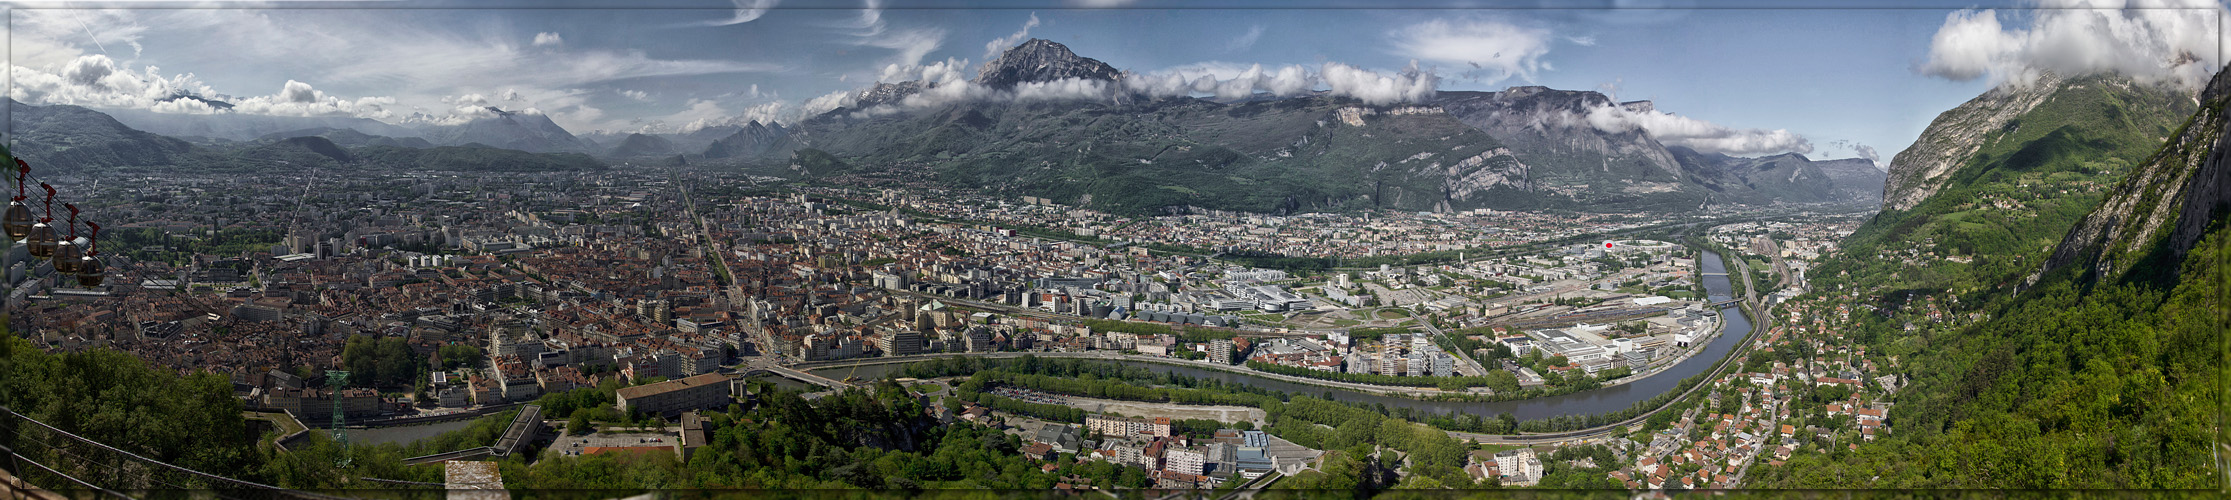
x: 42, y: 237
x: 66, y: 252
x: 17, y: 223
x: 89, y: 268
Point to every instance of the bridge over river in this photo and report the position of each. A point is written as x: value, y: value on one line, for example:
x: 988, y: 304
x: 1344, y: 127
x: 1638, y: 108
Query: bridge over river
x: 523, y: 430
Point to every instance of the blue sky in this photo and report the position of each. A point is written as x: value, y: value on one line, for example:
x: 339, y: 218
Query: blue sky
x: 1736, y: 78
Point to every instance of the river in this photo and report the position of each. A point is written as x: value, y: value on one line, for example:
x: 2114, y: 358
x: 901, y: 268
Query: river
x: 1734, y: 327
x: 404, y: 434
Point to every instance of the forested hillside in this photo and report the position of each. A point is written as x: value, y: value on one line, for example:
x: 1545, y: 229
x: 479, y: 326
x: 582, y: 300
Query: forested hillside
x: 2080, y: 379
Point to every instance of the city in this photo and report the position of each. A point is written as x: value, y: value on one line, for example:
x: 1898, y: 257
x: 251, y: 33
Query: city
x: 1133, y: 249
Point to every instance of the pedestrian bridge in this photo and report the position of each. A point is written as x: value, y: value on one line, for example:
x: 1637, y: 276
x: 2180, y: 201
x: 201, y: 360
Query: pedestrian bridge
x: 523, y: 429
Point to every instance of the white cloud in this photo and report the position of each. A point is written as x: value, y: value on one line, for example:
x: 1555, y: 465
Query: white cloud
x: 548, y: 39
x: 909, y: 45
x: 938, y: 72
x: 1494, y: 50
x: 829, y: 102
x: 1700, y: 135
x: 1224, y: 80
x: 1860, y: 150
x: 352, y: 50
x: 95, y: 80
x: 98, y: 81
x: 1584, y: 41
x: 699, y: 114
x: 1245, y: 40
x: 1063, y: 89
x: 298, y: 92
x: 770, y: 113
x: 1001, y: 44
x: 300, y: 99
x: 746, y: 11
x: 2173, y: 41
x: 474, y: 100
x: 1101, y: 4
x: 636, y: 95
x: 1408, y: 85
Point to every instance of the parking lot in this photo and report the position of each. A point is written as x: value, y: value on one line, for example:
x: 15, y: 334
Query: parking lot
x: 1030, y: 396
x: 573, y: 445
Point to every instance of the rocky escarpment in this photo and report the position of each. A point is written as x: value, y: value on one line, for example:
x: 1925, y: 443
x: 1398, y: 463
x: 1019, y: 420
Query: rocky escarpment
x: 2163, y: 207
x: 1955, y: 136
x: 1550, y: 129
x: 1468, y: 178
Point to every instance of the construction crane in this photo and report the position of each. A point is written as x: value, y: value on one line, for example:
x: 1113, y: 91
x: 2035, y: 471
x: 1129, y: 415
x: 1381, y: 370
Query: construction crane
x: 338, y: 379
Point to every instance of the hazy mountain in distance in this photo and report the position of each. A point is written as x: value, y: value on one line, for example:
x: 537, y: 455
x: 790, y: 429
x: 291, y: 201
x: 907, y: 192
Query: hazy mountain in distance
x: 641, y: 145
x: 246, y: 127
x: 530, y: 132
x: 1856, y: 179
x: 349, y: 137
x: 697, y: 140
x: 751, y: 140
x: 1761, y: 180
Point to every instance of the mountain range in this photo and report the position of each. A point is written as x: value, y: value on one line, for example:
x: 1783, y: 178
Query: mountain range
x: 1522, y: 148
x: 1531, y: 147
x: 66, y: 138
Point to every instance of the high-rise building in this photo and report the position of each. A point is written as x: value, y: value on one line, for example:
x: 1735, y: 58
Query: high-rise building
x: 900, y: 343
x: 1184, y: 460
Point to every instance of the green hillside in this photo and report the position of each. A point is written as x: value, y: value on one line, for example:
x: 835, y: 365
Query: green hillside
x: 2069, y: 382
x: 2004, y: 209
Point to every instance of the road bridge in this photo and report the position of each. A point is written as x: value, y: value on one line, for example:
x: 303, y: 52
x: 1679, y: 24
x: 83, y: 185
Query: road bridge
x: 807, y: 377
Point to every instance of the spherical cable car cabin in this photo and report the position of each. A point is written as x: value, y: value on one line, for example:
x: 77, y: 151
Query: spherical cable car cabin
x: 66, y: 252
x: 42, y: 238
x: 17, y: 222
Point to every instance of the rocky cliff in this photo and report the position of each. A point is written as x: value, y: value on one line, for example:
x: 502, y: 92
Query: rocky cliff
x: 2153, y: 218
x: 1954, y: 137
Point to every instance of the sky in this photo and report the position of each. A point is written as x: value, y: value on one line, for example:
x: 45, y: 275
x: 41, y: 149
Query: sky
x: 1835, y: 79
